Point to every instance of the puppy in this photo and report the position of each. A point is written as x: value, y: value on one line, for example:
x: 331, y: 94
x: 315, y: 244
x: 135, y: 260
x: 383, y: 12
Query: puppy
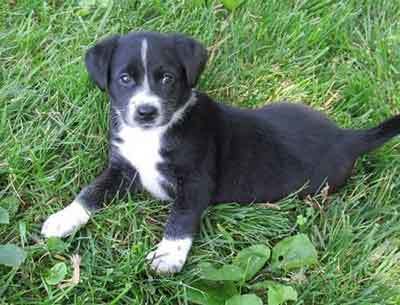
x: 181, y: 146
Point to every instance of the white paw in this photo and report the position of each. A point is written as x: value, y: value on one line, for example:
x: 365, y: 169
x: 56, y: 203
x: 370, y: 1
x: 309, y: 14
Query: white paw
x: 67, y: 220
x: 170, y: 255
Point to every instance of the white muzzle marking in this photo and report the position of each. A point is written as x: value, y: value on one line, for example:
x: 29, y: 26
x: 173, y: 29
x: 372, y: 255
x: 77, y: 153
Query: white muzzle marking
x: 144, y: 95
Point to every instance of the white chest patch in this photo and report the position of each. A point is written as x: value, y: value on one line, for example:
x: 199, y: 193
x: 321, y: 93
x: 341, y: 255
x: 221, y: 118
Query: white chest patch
x: 141, y: 147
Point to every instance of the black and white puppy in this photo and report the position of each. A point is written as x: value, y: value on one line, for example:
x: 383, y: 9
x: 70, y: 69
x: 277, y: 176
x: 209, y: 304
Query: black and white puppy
x: 181, y: 146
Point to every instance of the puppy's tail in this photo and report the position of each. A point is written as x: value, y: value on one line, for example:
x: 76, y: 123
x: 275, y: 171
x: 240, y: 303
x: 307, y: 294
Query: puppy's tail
x: 370, y: 139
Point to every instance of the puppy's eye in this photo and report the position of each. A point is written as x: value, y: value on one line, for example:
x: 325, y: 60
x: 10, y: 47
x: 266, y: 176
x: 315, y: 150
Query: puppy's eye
x: 126, y: 80
x: 167, y: 79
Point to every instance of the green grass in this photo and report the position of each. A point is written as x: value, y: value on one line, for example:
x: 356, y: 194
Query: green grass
x: 342, y: 57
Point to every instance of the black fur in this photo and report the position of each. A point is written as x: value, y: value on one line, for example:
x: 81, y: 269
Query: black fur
x: 97, y: 61
x: 218, y: 153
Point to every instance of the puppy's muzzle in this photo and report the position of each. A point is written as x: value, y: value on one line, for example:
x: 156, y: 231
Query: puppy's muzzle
x: 146, y: 114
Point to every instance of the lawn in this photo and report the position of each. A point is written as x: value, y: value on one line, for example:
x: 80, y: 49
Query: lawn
x: 341, y: 57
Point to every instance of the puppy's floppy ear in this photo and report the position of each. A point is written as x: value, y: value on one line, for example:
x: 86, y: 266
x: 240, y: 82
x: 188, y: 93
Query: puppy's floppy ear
x: 193, y: 56
x: 97, y: 60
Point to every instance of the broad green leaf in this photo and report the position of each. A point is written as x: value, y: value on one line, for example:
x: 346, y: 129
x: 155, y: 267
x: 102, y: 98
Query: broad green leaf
x: 231, y: 4
x: 252, y: 259
x: 11, y: 204
x: 301, y: 220
x: 11, y: 255
x: 56, y: 274
x: 277, y: 293
x: 22, y: 232
x: 83, y: 12
x: 55, y: 244
x: 211, y: 293
x: 4, y: 217
x: 245, y: 299
x: 225, y: 273
x: 85, y: 7
x: 294, y: 252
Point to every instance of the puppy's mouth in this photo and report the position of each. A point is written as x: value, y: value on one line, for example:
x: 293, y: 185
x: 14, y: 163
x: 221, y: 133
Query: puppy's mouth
x: 147, y: 124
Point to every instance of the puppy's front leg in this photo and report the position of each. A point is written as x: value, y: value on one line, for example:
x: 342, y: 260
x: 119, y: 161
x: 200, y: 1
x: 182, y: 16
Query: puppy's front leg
x: 102, y: 190
x: 192, y: 199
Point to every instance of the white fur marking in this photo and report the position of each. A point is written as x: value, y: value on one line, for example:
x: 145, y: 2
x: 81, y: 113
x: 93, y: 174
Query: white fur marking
x: 141, y: 147
x: 143, y: 95
x: 170, y: 255
x: 143, y: 53
x: 64, y: 222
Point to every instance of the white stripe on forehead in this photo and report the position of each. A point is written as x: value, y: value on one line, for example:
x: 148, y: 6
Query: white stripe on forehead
x: 143, y: 53
x: 143, y: 94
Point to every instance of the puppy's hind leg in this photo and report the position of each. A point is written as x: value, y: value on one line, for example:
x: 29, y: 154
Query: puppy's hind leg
x: 338, y: 164
x: 102, y: 190
x: 334, y: 169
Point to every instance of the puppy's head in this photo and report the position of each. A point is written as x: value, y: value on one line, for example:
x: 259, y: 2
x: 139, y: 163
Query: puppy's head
x: 149, y: 76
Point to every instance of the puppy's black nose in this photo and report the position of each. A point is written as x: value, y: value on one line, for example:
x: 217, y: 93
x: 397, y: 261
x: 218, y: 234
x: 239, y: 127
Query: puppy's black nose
x: 146, y: 112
